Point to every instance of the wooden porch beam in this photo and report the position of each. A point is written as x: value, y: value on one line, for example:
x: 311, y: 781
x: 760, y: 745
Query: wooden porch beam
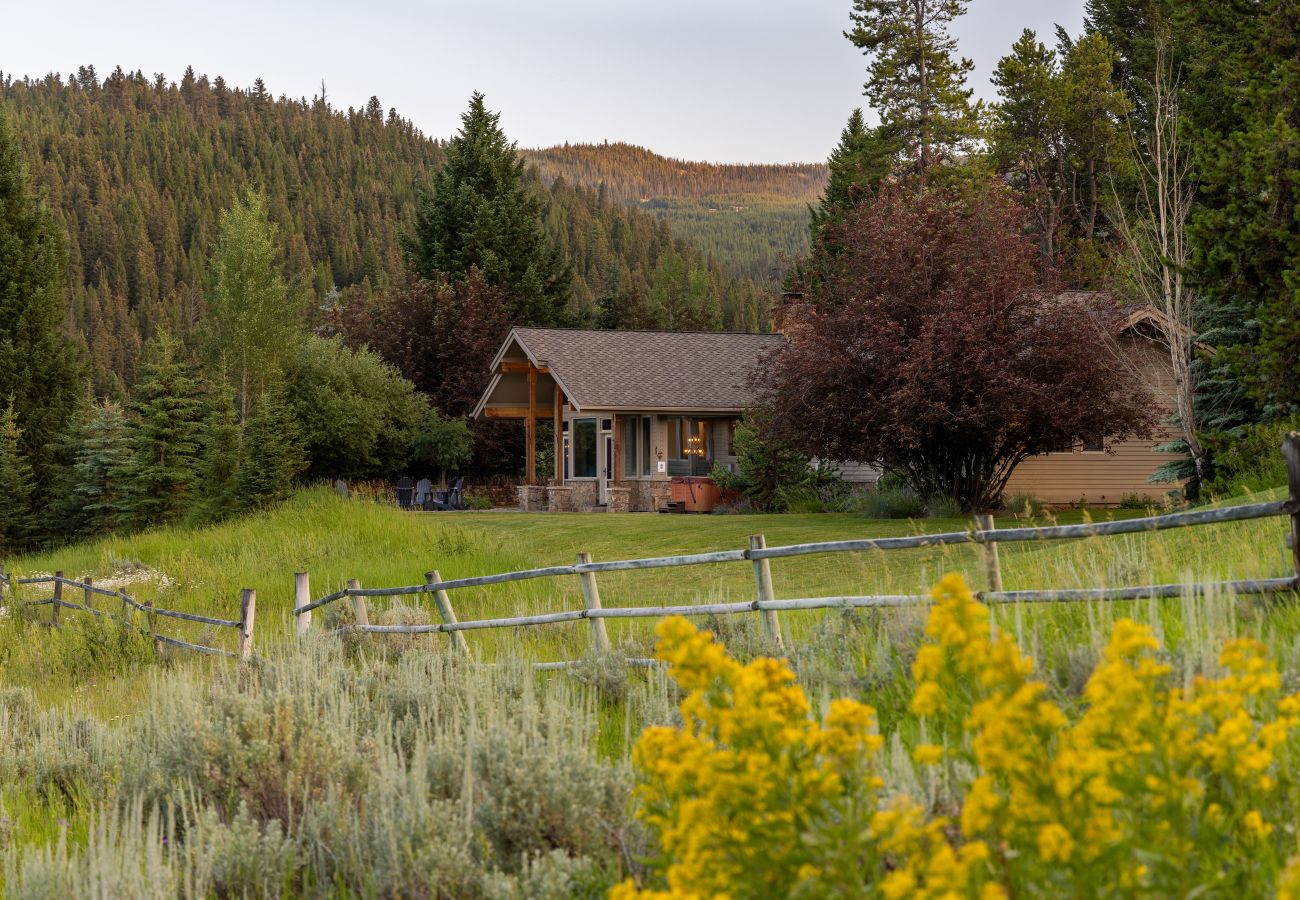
x: 530, y: 429
x: 524, y: 367
x: 557, y: 406
x: 515, y: 412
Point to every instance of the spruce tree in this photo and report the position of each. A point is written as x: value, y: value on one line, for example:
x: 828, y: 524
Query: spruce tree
x: 916, y: 80
x: 862, y: 159
x: 39, y: 369
x: 271, y: 454
x: 17, y: 523
x: 95, y: 496
x: 165, y: 435
x: 482, y: 212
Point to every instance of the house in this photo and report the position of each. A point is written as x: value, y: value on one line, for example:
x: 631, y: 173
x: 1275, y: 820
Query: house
x: 1101, y: 471
x: 633, y: 409
x: 630, y: 409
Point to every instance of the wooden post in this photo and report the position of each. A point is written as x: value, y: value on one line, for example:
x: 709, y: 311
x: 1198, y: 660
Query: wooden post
x: 442, y: 600
x: 765, y: 591
x: 247, y: 608
x: 153, y: 623
x: 557, y: 417
x: 591, y: 597
x: 301, y: 597
x: 58, y: 596
x: 90, y: 595
x: 992, y: 564
x: 530, y: 432
x: 358, y: 603
x: 1291, y: 453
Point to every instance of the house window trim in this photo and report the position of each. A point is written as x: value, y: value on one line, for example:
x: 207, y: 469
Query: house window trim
x: 642, y: 456
x: 571, y: 456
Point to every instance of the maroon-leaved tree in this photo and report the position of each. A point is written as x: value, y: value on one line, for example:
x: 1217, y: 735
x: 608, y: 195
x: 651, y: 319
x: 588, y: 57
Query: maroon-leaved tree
x: 930, y: 348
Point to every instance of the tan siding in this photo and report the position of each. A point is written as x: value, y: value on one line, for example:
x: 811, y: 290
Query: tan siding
x: 1106, y: 478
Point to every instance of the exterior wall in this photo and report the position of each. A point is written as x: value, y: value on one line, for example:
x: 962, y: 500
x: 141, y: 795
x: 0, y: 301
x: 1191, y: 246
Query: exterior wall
x: 1105, y: 478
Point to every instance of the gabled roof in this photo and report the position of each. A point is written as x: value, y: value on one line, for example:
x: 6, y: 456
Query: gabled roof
x: 695, y: 371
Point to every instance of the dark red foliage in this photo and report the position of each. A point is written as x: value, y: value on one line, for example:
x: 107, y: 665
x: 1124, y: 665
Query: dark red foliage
x: 442, y: 336
x: 931, y: 349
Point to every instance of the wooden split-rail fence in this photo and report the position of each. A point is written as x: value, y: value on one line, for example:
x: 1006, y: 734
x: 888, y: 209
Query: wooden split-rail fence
x: 758, y: 555
x: 131, y: 609
x: 768, y: 606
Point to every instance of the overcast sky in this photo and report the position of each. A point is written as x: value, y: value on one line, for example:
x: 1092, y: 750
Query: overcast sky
x: 720, y: 80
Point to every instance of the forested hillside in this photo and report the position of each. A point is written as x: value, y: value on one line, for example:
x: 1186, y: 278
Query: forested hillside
x: 137, y: 170
x: 752, y: 218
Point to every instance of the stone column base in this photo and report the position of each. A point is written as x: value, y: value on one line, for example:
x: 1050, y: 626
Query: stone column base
x: 532, y: 497
x: 559, y: 498
x: 618, y: 499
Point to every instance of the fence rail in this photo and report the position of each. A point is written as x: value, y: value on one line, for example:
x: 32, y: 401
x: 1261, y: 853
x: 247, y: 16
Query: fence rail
x: 244, y: 624
x: 984, y: 535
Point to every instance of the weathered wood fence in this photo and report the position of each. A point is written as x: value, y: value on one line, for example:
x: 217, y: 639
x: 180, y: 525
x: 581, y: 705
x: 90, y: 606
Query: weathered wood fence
x: 765, y: 601
x: 130, y: 610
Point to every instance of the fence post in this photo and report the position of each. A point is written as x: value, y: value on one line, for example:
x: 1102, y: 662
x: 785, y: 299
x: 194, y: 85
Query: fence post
x: 765, y: 591
x: 442, y: 600
x: 247, y: 609
x: 90, y: 595
x: 591, y: 597
x: 989, y: 550
x: 58, y: 597
x: 153, y: 623
x: 301, y: 597
x: 1291, y: 453
x: 358, y: 604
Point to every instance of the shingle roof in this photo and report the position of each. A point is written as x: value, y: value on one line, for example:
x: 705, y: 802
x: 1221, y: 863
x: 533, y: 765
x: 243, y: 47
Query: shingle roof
x: 649, y: 370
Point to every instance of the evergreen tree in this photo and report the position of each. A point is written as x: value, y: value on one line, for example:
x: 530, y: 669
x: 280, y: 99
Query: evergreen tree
x: 915, y: 79
x: 95, y: 497
x: 219, y: 466
x: 17, y: 522
x: 38, y: 367
x: 270, y: 453
x: 863, y: 159
x: 165, y: 436
x: 482, y: 213
x: 257, y: 315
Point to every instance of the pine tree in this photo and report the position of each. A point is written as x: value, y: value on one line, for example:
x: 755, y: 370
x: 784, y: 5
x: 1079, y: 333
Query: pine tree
x: 915, y: 79
x: 17, y: 522
x: 270, y: 453
x: 482, y: 212
x: 38, y: 366
x: 165, y: 435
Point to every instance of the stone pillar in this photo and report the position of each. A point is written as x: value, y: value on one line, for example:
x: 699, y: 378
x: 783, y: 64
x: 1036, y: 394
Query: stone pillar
x: 532, y: 498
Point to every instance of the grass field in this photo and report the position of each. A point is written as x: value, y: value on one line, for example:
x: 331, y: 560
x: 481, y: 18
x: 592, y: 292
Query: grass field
x: 370, y: 742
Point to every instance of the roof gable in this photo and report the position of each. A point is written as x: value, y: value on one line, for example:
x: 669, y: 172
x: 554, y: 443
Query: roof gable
x: 642, y: 370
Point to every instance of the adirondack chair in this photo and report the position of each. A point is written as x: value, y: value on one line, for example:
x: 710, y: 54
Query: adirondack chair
x: 453, y: 497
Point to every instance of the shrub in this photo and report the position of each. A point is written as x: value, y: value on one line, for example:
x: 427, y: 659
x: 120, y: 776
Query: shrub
x: 1024, y: 506
x: 942, y: 508
x: 769, y: 473
x: 1153, y: 787
x: 889, y: 502
x: 1250, y: 461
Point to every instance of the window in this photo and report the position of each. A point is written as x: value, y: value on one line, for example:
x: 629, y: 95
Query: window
x: 565, y: 450
x: 584, y: 448
x: 1094, y: 445
x: 636, y: 447
x: 688, y: 438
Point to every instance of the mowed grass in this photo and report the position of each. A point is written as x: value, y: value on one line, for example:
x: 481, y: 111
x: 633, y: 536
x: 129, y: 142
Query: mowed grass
x: 203, y: 569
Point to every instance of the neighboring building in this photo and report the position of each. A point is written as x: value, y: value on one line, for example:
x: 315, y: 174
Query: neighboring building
x: 633, y: 409
x: 1100, y: 471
